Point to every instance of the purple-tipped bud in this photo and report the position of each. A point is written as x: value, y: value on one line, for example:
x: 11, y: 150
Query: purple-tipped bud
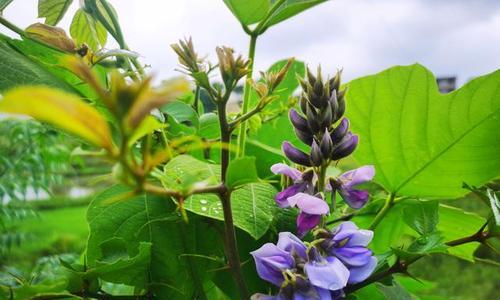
x: 333, y: 102
x: 345, y: 148
x: 327, y: 117
x: 295, y: 154
x: 341, y: 105
x: 326, y: 144
x: 316, y: 156
x: 298, y: 121
x: 303, y: 103
x: 312, y: 119
x: 340, y: 131
x: 305, y: 137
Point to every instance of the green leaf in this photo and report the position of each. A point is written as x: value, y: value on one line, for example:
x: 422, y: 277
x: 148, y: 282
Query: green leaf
x: 182, y: 112
x: 291, y: 8
x: 122, y: 268
x: 18, y: 69
x: 252, y: 206
x: 183, y: 171
x: 145, y: 220
x: 61, y: 109
x: 422, y: 216
x: 394, y: 291
x: 241, y: 171
x: 455, y: 223
x: 85, y: 29
x: 209, y: 126
x: 248, y: 11
x: 3, y: 4
x: 147, y: 126
x: 421, y: 142
x: 53, y: 10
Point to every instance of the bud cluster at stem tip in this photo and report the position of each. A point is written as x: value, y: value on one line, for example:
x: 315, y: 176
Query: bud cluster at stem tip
x: 322, y: 105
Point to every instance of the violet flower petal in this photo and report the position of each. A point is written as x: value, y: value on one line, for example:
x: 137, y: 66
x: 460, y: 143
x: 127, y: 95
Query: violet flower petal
x: 282, y: 197
x: 353, y: 256
x: 286, y: 170
x: 306, y: 222
x: 359, y: 274
x: 270, y: 261
x: 328, y: 274
x: 288, y: 242
x: 358, y: 176
x: 309, y: 204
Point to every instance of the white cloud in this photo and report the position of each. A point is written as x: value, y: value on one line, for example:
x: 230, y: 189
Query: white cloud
x: 365, y: 36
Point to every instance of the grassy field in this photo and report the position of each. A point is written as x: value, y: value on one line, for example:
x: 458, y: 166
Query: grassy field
x: 54, y: 231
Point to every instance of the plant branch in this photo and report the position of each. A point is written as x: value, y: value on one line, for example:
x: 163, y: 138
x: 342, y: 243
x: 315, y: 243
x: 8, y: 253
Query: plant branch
x: 389, y: 202
x: 401, y: 266
x: 225, y: 198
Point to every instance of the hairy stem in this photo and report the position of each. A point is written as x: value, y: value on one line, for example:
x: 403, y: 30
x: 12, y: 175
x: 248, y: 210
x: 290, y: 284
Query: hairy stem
x: 389, y: 202
x: 225, y: 197
x: 246, y: 97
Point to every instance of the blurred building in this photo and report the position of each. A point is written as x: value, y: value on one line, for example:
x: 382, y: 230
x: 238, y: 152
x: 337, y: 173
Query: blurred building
x: 446, y: 84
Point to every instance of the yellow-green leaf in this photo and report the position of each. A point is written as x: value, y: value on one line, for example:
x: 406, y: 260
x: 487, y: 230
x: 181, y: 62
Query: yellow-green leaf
x: 85, y: 29
x: 60, y: 109
x: 53, y: 10
x: 51, y: 35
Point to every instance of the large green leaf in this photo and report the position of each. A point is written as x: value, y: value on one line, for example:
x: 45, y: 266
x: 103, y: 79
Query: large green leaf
x: 290, y: 8
x: 18, y: 69
x: 248, y: 11
x: 53, y: 10
x: 85, y: 29
x: 421, y: 142
x: 252, y: 206
x: 145, y: 219
x: 3, y: 4
x: 241, y: 171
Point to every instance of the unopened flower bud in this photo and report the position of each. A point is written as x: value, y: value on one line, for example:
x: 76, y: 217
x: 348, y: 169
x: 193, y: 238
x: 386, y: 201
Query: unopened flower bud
x: 316, y: 156
x: 346, y: 147
x: 326, y: 144
x: 305, y: 136
x: 340, y: 131
x: 312, y: 119
x: 296, y: 155
x: 298, y: 121
x: 326, y: 117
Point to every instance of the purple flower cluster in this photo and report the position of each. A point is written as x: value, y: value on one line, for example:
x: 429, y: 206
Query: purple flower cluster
x: 319, y: 270
x: 303, y: 194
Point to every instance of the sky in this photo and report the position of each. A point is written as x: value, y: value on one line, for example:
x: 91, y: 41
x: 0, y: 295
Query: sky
x: 450, y: 37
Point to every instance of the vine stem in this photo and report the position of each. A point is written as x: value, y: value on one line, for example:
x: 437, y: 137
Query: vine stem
x: 401, y: 266
x: 389, y: 202
x: 246, y: 96
x: 225, y: 198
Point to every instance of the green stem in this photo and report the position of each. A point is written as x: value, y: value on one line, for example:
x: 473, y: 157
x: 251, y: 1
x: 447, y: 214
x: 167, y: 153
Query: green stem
x: 246, y: 97
x: 389, y: 202
x: 12, y: 27
x: 197, y: 107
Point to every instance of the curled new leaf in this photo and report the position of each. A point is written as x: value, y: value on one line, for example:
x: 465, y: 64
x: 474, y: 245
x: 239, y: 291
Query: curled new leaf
x: 150, y: 100
x: 61, y: 109
x: 51, y: 35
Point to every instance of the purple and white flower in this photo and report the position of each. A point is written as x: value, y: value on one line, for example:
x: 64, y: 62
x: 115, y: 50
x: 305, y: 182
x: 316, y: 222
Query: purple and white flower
x: 346, y: 184
x: 301, y: 182
x: 312, y: 208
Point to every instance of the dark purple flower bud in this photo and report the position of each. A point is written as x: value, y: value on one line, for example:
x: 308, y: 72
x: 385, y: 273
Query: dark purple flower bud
x: 308, y: 175
x: 340, y: 131
x: 312, y: 119
x: 303, y: 103
x: 333, y: 103
x: 316, y: 156
x: 341, y: 106
x: 346, y: 147
x: 326, y: 144
x: 295, y: 154
x: 305, y: 137
x: 326, y: 117
x: 298, y: 121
